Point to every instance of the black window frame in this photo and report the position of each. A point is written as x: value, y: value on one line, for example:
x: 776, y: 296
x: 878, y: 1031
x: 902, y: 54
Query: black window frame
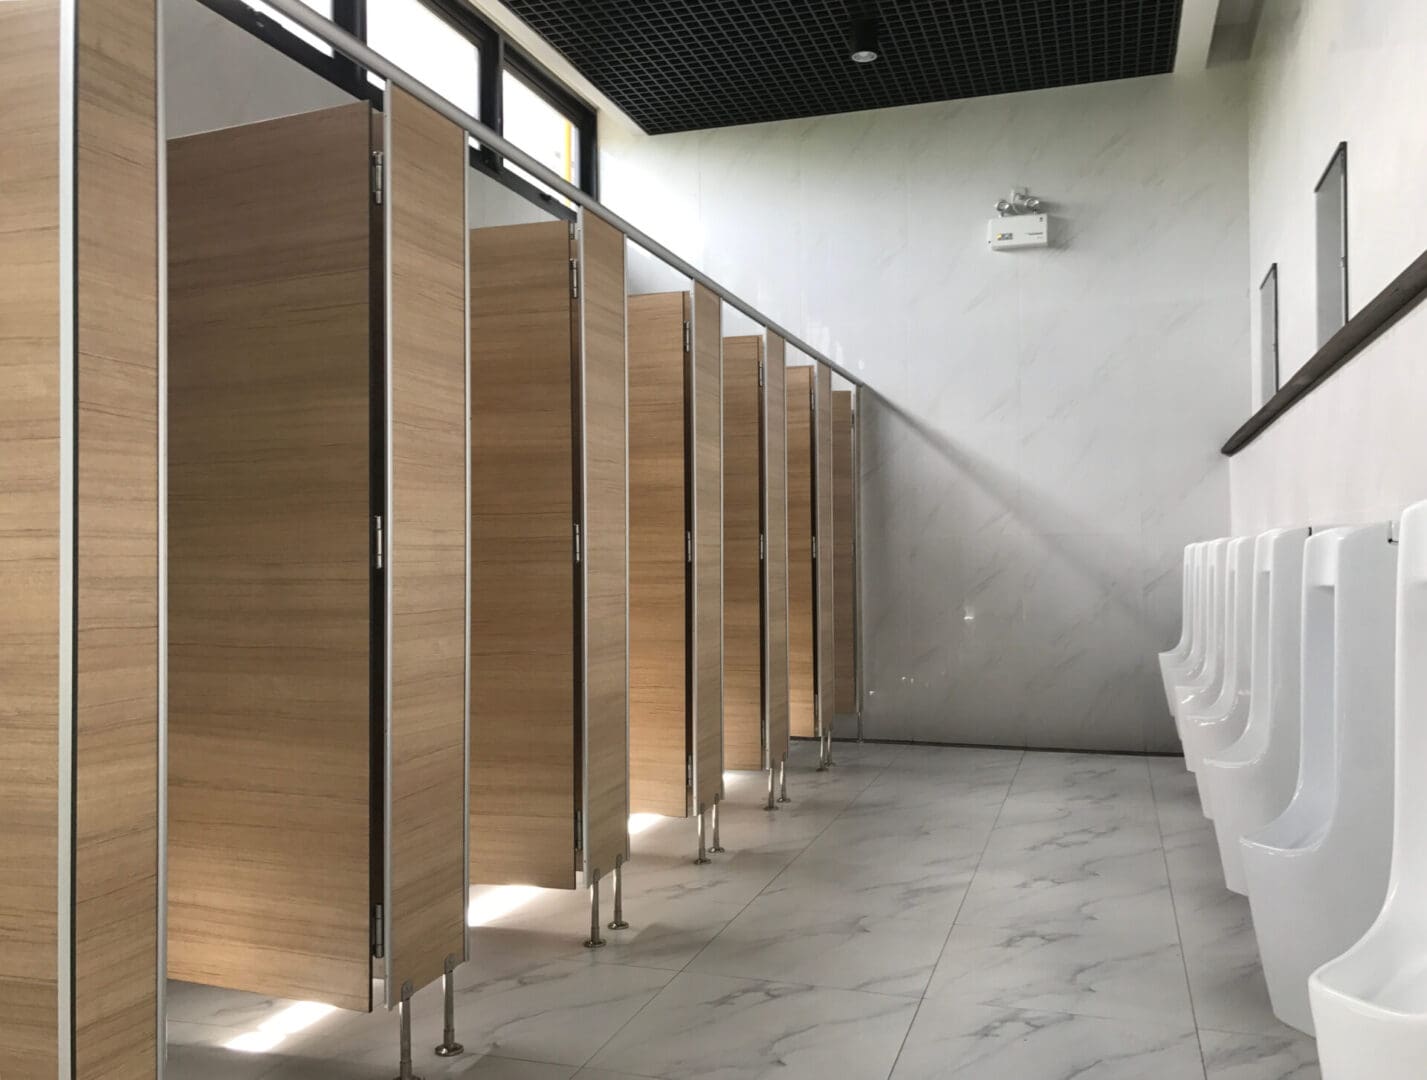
x: 1270, y: 279
x: 1339, y: 158
x: 497, y: 55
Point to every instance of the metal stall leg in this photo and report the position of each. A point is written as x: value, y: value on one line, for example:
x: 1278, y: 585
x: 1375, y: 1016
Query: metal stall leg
x: 618, y: 923
x: 449, y: 1046
x: 404, y: 1007
x: 822, y: 750
x: 717, y: 848
x: 703, y: 852
x: 772, y: 803
x: 595, y: 940
x: 783, y: 780
x: 828, y: 755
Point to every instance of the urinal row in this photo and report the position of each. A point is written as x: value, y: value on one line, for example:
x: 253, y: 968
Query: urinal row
x: 1300, y: 709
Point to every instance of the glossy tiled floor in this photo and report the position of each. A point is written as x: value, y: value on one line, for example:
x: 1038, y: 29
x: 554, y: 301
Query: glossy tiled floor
x: 914, y: 913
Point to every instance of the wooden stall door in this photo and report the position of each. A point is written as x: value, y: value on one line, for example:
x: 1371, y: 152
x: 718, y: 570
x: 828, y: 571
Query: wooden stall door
x: 775, y: 566
x: 270, y: 712
x: 658, y: 568
x: 844, y: 579
x: 523, y: 769
x: 802, y: 715
x: 605, y: 683
x: 742, y: 568
x: 825, y: 646
x: 706, y: 486
x: 426, y: 544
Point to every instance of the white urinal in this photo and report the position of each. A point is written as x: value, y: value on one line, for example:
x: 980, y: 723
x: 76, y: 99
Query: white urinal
x: 1370, y: 1004
x: 1251, y: 781
x: 1210, y: 726
x: 1202, y: 677
x: 1173, y: 663
x: 1318, y: 873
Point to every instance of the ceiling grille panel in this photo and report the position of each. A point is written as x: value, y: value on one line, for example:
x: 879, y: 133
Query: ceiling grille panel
x: 677, y: 65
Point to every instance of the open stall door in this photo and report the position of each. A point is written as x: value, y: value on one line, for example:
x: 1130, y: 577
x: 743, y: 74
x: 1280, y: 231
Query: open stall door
x: 844, y: 580
x: 824, y: 540
x: 802, y: 715
x: 270, y: 558
x: 706, y: 490
x: 523, y: 676
x: 604, y: 551
x: 775, y: 565
x: 660, y: 766
x: 425, y: 545
x: 743, y: 733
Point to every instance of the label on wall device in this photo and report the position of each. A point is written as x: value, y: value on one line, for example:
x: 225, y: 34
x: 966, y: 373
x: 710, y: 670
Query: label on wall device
x: 1018, y: 231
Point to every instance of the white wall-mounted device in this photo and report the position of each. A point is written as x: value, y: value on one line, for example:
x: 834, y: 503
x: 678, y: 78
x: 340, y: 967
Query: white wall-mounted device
x: 1018, y: 231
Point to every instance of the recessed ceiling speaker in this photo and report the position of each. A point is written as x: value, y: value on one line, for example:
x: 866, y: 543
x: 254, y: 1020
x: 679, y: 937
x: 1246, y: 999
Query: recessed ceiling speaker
x: 864, y: 39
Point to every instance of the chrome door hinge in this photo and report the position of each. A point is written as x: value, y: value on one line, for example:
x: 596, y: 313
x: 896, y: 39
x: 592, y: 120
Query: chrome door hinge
x: 815, y: 547
x: 689, y: 771
x: 688, y: 337
x: 760, y: 372
x: 575, y: 279
x: 378, y: 540
x: 577, y: 542
x: 812, y: 400
x: 378, y: 175
x: 762, y: 548
x: 378, y: 932
x: 579, y: 830
x: 688, y: 546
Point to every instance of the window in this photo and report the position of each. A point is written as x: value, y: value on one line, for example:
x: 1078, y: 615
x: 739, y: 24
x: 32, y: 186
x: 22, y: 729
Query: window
x: 1268, y: 335
x: 548, y: 122
x: 322, y: 7
x: 1331, y: 209
x: 420, y: 42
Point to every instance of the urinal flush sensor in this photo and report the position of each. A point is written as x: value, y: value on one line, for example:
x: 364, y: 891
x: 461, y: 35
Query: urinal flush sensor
x: 1017, y: 231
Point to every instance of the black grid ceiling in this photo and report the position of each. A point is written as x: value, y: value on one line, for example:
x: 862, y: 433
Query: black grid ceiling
x: 678, y: 65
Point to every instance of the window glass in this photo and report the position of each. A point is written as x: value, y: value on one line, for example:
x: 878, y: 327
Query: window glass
x: 322, y: 7
x: 425, y: 46
x: 541, y: 130
x: 1332, y: 209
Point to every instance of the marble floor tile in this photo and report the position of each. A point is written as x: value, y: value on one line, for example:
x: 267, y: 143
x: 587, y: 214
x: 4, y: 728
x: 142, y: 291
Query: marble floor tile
x: 960, y: 1041
x: 1230, y: 1056
x: 744, y: 1029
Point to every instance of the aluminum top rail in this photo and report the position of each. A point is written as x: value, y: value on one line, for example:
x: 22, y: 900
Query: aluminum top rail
x: 358, y: 51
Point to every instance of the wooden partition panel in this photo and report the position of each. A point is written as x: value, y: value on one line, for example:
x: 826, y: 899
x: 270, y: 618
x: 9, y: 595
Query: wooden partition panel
x: 825, y: 646
x: 742, y: 567
x: 270, y: 711
x: 802, y: 715
x: 659, y: 744
x: 775, y: 565
x: 706, y: 485
x: 426, y: 543
x: 30, y: 506
x: 523, y: 710
x: 844, y: 525
x: 116, y: 825
x: 604, y: 392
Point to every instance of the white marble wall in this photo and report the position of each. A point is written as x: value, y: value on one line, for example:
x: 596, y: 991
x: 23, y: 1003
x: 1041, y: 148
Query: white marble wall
x: 1047, y: 440
x: 1324, y: 72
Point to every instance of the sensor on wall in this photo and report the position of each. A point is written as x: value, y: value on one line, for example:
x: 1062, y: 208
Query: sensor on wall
x: 1018, y: 231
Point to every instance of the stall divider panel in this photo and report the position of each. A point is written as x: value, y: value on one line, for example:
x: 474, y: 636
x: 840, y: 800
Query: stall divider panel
x: 775, y: 565
x: 116, y: 748
x: 743, y: 714
x: 425, y: 543
x: 843, y: 524
x: 823, y: 546
x: 605, y: 556
x: 706, y: 485
x: 802, y: 613
x: 523, y: 708
x: 34, y: 399
x: 270, y: 714
x: 659, y: 768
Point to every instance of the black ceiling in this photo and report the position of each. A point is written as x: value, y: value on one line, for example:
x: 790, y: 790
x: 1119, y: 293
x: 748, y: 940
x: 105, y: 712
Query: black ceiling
x: 676, y: 65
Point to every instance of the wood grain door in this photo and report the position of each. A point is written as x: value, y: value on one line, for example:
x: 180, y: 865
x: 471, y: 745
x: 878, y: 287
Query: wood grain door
x: 802, y: 715
x: 523, y: 707
x: 425, y: 544
x: 823, y: 544
x: 844, y: 521
x: 659, y: 714
x: 775, y: 564
x: 743, y: 736
x: 605, y: 558
x: 270, y: 558
x: 706, y: 489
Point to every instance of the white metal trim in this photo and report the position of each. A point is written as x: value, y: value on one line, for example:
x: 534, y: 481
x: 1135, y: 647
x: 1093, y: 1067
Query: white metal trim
x: 161, y: 130
x: 392, y: 994
x: 466, y: 663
